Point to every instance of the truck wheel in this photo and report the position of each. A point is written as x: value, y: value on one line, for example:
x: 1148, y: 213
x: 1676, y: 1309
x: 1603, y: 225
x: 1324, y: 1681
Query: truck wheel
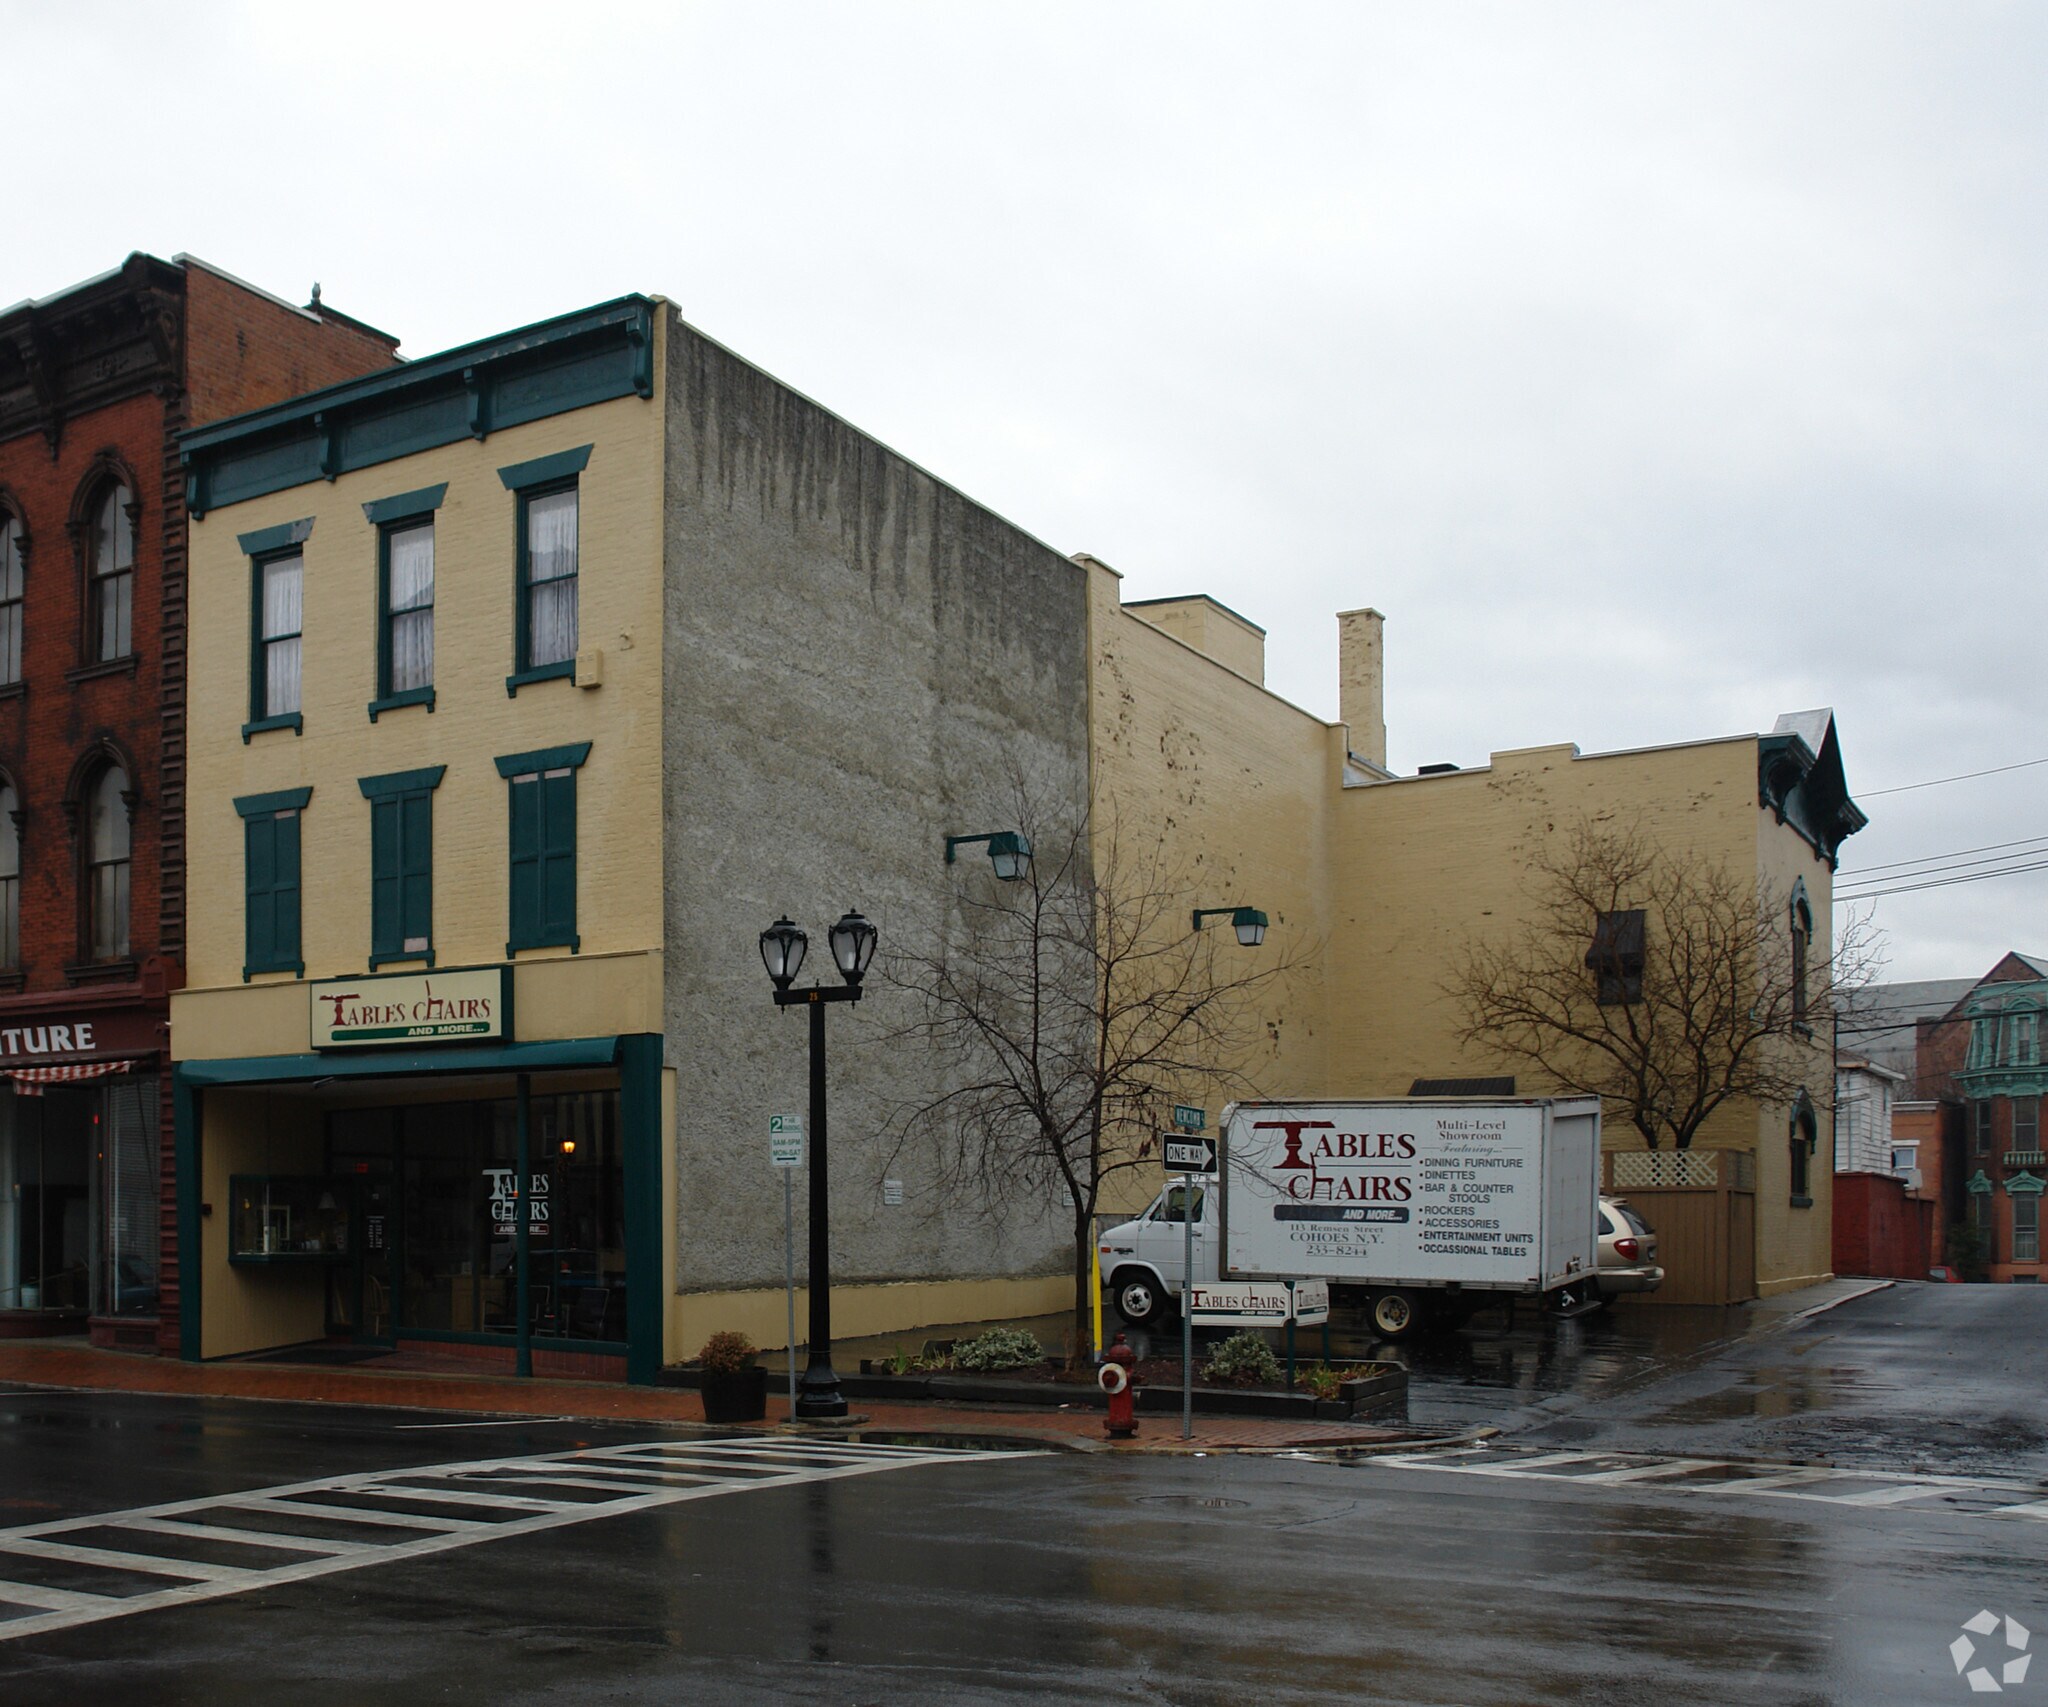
x: 1139, y: 1298
x: 1395, y: 1315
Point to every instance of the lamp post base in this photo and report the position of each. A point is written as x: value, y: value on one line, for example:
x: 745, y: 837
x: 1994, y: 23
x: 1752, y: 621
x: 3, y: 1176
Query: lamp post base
x: 818, y: 1398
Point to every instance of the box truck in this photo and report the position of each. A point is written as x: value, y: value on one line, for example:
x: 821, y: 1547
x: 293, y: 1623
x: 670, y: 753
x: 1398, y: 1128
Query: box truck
x: 1416, y: 1210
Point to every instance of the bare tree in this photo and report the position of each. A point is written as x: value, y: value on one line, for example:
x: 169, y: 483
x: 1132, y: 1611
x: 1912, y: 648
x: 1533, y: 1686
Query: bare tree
x: 1662, y: 982
x: 1068, y: 1012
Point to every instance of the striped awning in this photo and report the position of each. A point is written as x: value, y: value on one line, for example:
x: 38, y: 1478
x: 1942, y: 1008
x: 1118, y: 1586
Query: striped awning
x: 29, y: 1081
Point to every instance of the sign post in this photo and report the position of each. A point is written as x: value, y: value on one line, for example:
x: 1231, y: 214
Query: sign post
x: 786, y: 1151
x: 1193, y: 1159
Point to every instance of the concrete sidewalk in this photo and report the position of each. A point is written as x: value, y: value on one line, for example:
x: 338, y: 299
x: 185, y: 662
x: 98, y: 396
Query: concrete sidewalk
x: 72, y: 1365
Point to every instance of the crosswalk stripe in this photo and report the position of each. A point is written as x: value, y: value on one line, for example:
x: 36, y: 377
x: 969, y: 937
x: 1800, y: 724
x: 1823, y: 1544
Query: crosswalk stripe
x: 358, y: 1514
x: 55, y: 1599
x: 153, y: 1564
x: 736, y: 1467
x: 284, y: 1543
x: 1671, y: 1475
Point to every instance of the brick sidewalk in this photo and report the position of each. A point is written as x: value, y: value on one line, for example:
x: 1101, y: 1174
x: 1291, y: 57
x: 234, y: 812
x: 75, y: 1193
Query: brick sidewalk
x: 76, y: 1367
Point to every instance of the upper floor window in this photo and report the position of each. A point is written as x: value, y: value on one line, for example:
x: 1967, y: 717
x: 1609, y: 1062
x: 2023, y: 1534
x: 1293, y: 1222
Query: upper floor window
x: 107, y: 865
x: 110, y: 575
x: 2026, y: 1123
x: 547, y: 577
x: 10, y: 879
x: 1983, y: 1041
x: 1802, y: 942
x: 280, y: 607
x: 2022, y: 1038
x: 12, y: 578
x: 1980, y: 1120
x: 408, y: 640
x: 1616, y: 957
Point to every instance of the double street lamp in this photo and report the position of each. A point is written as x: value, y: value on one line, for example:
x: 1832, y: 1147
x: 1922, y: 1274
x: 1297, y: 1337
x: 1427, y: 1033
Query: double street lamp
x: 783, y: 946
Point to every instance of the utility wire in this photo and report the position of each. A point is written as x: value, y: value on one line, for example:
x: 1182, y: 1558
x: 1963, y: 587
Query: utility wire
x: 1944, y: 882
x: 1894, y: 864
x: 1967, y: 776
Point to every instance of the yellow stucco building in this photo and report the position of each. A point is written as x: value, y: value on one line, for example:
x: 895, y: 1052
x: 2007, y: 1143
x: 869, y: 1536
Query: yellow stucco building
x: 1383, y: 881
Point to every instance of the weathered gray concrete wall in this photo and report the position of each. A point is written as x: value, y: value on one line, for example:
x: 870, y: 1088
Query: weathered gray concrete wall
x: 857, y: 660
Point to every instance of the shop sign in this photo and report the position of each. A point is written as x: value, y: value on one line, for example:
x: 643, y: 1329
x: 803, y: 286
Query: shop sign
x: 505, y: 1203
x: 60, y: 1036
x: 410, y: 1008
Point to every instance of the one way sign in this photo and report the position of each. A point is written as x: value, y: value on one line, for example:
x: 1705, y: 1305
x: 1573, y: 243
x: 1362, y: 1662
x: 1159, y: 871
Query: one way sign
x: 1185, y: 1155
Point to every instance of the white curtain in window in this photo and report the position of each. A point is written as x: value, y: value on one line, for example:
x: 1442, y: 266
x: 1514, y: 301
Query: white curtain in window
x: 412, y: 608
x: 551, y: 577
x: 107, y: 854
x: 283, y: 594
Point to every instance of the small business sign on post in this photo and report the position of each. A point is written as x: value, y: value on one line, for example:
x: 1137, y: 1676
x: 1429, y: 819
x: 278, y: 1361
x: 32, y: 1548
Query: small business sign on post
x: 786, y: 1151
x: 1259, y: 1303
x: 1195, y: 1157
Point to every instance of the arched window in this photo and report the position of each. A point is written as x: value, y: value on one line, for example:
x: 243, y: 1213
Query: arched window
x: 1805, y: 1140
x: 107, y: 865
x: 1802, y: 939
x: 2023, y: 1038
x: 10, y: 879
x: 12, y: 578
x: 110, y: 578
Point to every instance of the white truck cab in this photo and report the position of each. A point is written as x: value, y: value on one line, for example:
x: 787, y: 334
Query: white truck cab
x: 1143, y: 1261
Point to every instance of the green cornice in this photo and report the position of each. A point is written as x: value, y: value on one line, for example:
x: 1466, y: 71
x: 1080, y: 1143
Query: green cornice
x: 283, y: 537
x: 467, y: 393
x: 284, y: 800
x: 546, y: 759
x: 403, y: 506
x: 545, y: 470
x: 1978, y: 1184
x: 2023, y: 1185
x: 401, y: 782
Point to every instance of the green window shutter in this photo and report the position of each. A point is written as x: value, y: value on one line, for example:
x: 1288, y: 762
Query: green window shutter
x: 386, y: 932
x: 259, y: 841
x: 285, y: 864
x: 558, y: 856
x: 527, y: 928
x: 417, y: 869
x: 543, y: 860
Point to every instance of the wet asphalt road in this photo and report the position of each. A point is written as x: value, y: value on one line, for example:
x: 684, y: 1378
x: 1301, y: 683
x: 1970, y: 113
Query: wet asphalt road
x: 1198, y: 1581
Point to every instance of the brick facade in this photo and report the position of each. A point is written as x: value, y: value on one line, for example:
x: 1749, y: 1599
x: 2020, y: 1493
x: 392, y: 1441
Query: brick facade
x: 95, y: 384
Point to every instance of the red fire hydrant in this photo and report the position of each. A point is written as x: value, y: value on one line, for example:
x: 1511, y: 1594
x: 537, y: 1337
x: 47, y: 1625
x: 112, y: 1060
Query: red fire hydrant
x: 1119, y: 1380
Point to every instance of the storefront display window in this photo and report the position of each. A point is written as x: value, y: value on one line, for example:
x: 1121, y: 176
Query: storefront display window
x: 438, y: 1203
x: 78, y: 1198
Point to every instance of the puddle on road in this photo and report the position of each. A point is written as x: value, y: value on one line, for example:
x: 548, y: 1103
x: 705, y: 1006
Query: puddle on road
x: 1773, y: 1393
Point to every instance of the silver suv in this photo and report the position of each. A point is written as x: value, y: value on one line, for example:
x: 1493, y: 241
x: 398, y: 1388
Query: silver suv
x: 1628, y: 1252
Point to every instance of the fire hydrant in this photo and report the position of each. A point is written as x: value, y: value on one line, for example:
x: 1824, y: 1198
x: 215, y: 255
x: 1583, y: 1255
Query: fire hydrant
x: 1118, y: 1377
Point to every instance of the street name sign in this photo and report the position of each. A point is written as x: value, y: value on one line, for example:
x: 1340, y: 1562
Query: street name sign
x: 1190, y: 1119
x: 785, y: 1140
x: 1185, y: 1155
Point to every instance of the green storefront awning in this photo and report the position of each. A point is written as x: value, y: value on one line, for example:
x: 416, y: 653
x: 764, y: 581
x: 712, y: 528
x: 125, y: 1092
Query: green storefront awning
x: 401, y: 1063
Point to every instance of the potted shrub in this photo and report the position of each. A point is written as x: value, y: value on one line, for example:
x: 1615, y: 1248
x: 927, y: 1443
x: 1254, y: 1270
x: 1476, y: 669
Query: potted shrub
x: 735, y: 1387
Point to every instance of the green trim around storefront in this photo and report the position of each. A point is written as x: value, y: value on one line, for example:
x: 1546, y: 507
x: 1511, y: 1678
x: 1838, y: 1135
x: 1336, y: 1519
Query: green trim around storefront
x: 640, y: 1130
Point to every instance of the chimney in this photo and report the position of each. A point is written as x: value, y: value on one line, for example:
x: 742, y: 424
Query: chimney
x: 1362, y: 682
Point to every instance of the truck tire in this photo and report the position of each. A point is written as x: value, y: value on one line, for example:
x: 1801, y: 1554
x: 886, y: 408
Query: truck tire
x: 1139, y: 1298
x: 1394, y: 1315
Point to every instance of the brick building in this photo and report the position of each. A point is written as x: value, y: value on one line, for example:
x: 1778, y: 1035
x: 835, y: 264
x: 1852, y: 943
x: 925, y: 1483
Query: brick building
x: 1982, y: 1059
x: 96, y: 382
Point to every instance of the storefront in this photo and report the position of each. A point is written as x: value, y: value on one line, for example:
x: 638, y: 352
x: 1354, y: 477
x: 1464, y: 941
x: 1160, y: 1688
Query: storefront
x: 80, y: 1165
x: 496, y: 1201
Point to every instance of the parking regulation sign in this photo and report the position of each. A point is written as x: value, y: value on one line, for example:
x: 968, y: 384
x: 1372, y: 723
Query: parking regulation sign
x: 1185, y: 1155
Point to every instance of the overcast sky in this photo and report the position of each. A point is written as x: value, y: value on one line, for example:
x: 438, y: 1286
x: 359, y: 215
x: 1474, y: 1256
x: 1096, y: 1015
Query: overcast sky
x: 1655, y: 369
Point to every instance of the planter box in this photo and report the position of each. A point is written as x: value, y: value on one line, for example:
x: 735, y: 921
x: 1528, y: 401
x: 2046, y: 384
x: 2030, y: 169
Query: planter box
x: 740, y: 1396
